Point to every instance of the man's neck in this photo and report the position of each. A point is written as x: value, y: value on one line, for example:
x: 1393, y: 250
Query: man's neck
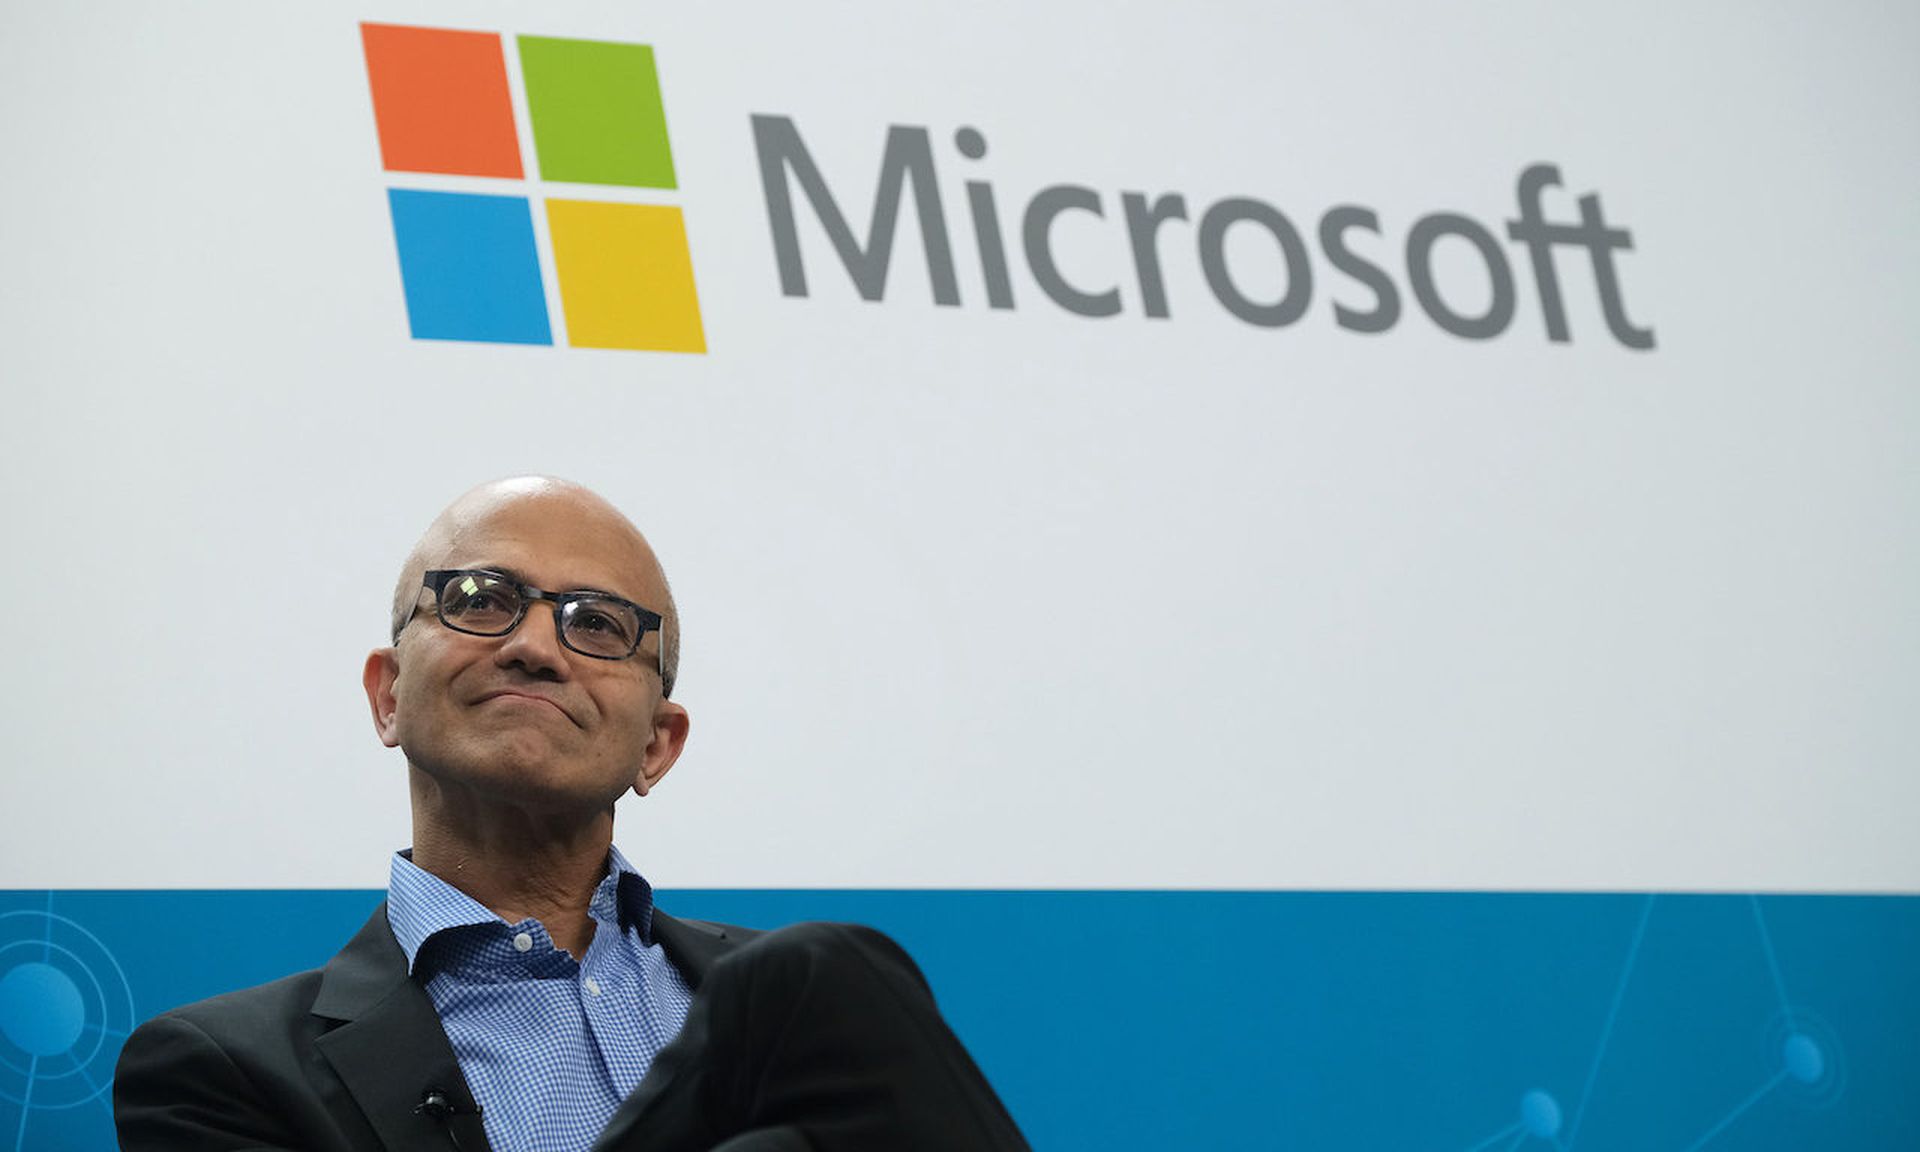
x: 520, y: 865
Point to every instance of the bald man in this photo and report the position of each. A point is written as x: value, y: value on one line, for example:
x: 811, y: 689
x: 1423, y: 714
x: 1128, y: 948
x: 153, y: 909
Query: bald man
x: 517, y: 989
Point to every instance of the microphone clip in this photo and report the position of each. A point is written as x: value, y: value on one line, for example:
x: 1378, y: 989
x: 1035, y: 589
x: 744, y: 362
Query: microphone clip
x: 435, y: 1102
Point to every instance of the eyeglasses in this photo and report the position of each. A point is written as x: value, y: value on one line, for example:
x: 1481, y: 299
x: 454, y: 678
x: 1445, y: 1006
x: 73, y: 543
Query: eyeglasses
x: 482, y: 603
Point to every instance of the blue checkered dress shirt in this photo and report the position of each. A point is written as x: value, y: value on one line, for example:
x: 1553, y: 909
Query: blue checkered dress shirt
x: 549, y: 1046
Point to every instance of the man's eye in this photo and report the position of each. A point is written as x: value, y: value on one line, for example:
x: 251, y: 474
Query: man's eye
x: 599, y: 623
x: 480, y: 602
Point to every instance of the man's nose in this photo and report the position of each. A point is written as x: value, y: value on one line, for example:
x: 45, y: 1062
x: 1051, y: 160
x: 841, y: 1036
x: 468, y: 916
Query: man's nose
x: 534, y: 644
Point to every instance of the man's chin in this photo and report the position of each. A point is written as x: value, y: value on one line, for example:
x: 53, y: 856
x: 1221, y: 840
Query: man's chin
x: 533, y: 783
x: 547, y: 799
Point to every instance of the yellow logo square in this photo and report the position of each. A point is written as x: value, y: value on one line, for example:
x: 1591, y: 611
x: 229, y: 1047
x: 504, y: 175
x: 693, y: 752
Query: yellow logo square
x: 626, y: 279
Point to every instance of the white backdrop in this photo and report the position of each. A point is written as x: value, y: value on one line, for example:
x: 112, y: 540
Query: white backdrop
x: 989, y: 598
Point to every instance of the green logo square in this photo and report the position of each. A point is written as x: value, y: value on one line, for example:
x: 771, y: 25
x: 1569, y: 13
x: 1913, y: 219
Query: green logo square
x: 596, y: 112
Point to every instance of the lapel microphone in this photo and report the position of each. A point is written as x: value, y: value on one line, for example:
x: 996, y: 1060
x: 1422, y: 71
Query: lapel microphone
x: 436, y: 1103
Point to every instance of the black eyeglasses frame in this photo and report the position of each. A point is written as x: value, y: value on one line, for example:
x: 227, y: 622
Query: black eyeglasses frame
x: 436, y: 580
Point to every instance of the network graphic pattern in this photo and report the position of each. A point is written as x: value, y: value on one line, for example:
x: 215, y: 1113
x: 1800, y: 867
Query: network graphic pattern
x: 1685, y: 1036
x: 1808, y: 1061
x: 65, y: 1008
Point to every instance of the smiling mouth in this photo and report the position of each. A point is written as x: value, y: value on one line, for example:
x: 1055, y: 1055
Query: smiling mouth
x: 524, y: 698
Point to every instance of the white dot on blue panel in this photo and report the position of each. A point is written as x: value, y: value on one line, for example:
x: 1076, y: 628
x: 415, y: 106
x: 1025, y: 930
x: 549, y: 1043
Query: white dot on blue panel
x: 1803, y: 1059
x: 1540, y: 1113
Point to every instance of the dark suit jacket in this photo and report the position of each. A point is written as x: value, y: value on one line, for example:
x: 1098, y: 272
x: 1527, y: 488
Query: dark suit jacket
x: 333, y: 1060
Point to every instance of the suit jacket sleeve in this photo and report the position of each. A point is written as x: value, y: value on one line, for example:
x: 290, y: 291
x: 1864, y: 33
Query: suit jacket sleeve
x: 177, y: 1090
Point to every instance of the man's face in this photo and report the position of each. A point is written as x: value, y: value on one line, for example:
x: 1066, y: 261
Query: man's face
x: 520, y: 718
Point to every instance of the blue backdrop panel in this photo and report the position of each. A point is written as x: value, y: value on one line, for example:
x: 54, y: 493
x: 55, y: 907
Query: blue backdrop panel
x: 1153, y: 1020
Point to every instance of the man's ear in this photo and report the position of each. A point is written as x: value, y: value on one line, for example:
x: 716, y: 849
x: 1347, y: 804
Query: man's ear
x: 382, y: 668
x: 670, y: 726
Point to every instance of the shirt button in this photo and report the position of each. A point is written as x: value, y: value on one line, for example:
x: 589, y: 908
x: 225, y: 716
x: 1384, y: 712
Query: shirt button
x: 593, y: 986
x: 523, y: 943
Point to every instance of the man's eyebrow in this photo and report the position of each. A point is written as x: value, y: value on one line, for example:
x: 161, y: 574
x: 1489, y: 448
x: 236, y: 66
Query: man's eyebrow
x: 519, y: 578
x: 495, y: 569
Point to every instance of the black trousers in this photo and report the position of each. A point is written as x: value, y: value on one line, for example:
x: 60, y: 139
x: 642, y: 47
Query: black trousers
x: 820, y: 1037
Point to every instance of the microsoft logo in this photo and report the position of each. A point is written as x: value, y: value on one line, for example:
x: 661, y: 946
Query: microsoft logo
x: 474, y: 256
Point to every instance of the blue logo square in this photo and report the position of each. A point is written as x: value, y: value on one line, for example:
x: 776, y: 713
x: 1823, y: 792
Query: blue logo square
x: 469, y: 267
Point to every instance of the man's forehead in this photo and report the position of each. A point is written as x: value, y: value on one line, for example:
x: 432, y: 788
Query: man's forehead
x: 566, y: 536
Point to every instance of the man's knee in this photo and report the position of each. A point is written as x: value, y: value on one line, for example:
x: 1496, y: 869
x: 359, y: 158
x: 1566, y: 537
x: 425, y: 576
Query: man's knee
x: 826, y: 949
x: 825, y: 960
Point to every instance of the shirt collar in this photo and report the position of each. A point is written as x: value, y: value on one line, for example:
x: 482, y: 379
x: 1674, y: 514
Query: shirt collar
x: 632, y: 894
x: 421, y: 905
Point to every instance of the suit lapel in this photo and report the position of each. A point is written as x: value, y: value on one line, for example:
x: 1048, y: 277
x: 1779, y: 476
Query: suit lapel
x: 389, y: 1049
x: 693, y: 945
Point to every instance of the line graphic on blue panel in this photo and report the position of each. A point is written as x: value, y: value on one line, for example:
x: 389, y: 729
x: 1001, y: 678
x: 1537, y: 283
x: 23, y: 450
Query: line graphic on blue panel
x: 1773, y: 962
x: 99, y: 1090
x: 1739, y: 1110
x: 26, y: 1105
x: 1490, y: 1141
x: 1801, y: 1057
x: 1613, y: 1014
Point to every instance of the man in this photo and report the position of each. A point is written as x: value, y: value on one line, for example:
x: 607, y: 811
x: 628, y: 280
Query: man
x: 518, y: 986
